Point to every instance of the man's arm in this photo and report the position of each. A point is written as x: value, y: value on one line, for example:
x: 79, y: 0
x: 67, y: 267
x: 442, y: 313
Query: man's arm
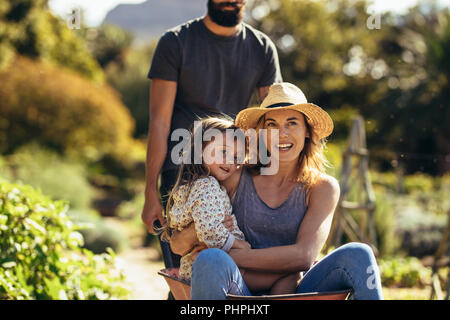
x: 262, y: 93
x: 162, y: 99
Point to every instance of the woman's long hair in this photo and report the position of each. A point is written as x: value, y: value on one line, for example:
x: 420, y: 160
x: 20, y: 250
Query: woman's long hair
x: 189, y: 172
x: 311, y: 161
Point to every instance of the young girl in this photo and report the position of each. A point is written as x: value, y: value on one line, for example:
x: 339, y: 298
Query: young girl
x: 198, y: 196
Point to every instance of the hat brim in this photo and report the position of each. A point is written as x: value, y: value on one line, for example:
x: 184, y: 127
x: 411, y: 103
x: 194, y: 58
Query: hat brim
x: 318, y: 119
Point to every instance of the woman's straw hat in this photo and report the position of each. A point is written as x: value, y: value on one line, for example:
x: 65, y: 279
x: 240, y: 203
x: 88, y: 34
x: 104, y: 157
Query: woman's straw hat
x: 286, y: 96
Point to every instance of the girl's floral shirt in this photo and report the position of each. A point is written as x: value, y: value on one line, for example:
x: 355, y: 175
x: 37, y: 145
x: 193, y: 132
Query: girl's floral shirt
x: 206, y: 205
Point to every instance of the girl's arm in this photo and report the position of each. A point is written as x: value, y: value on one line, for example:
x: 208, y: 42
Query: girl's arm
x: 312, y: 234
x: 183, y: 241
x: 208, y: 212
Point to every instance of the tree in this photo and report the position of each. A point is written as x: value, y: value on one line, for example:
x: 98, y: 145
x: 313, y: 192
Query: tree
x: 63, y: 111
x: 28, y: 28
x: 396, y: 77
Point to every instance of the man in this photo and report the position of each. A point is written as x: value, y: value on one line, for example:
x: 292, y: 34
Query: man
x: 207, y: 66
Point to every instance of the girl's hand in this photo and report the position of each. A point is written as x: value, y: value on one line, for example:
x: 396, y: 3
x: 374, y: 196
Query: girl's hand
x: 228, y: 223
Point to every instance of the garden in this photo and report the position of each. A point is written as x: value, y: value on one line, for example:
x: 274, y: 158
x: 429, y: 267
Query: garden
x: 74, y: 122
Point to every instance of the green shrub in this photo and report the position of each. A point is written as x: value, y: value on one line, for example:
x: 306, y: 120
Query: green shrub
x: 98, y: 236
x: 418, y: 182
x: 41, y: 255
x: 62, y: 111
x: 387, y: 180
x: 420, y: 232
x: 387, y: 240
x: 404, y: 272
x: 57, y: 177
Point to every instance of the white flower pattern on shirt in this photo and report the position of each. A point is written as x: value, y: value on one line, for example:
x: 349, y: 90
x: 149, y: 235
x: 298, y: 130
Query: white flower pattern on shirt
x: 207, y: 205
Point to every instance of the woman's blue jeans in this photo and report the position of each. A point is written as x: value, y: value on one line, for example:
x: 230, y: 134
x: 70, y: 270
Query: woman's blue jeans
x: 351, y: 266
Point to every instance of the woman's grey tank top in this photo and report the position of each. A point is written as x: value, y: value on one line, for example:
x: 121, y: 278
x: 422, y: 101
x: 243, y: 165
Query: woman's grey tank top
x: 263, y: 226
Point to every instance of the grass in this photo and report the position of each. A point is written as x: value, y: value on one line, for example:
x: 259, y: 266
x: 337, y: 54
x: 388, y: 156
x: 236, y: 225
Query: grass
x: 407, y: 293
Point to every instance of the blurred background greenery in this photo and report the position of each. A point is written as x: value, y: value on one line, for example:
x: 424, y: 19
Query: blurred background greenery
x: 74, y: 113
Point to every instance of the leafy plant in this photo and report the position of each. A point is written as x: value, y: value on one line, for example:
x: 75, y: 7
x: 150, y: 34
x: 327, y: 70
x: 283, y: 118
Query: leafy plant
x: 57, y: 177
x: 41, y: 255
x: 404, y: 272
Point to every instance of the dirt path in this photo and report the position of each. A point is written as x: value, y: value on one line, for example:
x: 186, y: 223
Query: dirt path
x: 141, y: 274
x: 140, y: 265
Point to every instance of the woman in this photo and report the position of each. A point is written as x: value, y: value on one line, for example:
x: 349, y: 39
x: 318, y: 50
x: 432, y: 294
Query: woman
x: 286, y: 217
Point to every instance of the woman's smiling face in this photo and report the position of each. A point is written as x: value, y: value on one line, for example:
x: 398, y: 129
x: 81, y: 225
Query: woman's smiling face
x: 292, y: 132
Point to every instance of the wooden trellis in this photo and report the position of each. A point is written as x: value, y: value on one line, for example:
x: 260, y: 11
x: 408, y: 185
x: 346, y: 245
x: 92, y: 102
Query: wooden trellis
x: 356, y: 193
x: 440, y: 261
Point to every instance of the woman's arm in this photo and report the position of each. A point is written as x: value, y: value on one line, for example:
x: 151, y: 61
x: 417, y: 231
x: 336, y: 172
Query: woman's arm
x: 312, y: 234
x: 259, y: 281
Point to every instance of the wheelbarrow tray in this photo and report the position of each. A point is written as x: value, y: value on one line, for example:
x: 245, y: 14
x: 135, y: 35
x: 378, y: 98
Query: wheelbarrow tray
x: 181, y: 290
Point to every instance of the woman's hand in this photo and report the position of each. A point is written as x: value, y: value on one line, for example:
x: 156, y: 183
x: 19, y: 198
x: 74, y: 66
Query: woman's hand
x: 241, y: 244
x: 182, y: 242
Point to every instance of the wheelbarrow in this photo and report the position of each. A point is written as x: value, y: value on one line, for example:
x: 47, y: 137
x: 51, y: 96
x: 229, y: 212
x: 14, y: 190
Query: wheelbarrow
x: 181, y: 290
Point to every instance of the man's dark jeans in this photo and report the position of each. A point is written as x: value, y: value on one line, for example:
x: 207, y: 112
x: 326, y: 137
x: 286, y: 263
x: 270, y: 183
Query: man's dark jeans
x: 168, y: 179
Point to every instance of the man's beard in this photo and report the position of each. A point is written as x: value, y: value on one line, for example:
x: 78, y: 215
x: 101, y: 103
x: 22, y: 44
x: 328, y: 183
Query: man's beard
x: 225, y: 18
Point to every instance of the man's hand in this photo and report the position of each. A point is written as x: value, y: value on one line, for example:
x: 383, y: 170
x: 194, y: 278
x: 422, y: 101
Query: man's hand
x: 152, y: 212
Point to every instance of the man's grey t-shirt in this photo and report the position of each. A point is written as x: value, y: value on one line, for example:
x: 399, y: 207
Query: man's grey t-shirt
x: 214, y: 74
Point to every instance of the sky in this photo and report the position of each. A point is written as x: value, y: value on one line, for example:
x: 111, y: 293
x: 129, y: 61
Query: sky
x: 96, y: 10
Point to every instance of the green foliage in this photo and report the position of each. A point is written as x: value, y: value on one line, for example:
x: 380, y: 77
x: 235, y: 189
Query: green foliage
x: 107, y: 43
x: 404, y: 272
x: 28, y: 28
x: 130, y: 79
x: 133, y: 208
x: 388, y: 241
x: 62, y: 111
x: 385, y: 180
x: 396, y: 77
x: 342, y: 120
x: 333, y: 154
x: 41, y: 255
x: 418, y: 182
x: 58, y: 178
x: 61, y: 179
x: 420, y: 231
x: 97, y: 234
